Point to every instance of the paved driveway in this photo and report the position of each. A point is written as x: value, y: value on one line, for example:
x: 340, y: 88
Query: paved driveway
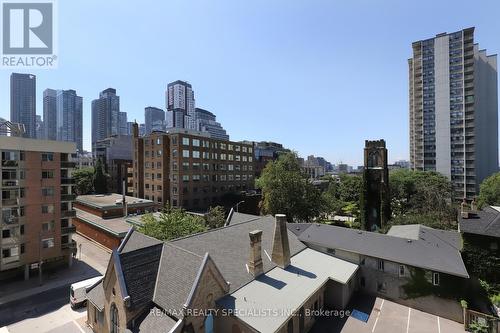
x: 386, y: 316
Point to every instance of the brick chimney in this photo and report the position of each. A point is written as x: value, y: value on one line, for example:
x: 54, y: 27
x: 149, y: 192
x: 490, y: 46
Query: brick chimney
x: 281, y: 248
x: 255, y: 265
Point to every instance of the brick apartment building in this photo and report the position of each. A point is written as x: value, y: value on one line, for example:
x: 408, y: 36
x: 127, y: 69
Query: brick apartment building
x: 36, y: 203
x: 189, y: 169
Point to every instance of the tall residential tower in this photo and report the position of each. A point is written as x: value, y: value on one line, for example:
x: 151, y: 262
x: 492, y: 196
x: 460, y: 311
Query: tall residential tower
x: 180, y: 105
x: 454, y: 110
x: 105, y: 115
x: 23, y: 102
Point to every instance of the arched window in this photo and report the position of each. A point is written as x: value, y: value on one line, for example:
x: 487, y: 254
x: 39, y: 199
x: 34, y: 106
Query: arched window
x: 113, y: 314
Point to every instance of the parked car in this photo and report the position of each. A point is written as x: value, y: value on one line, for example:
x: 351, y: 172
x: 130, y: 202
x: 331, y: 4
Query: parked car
x: 78, y: 291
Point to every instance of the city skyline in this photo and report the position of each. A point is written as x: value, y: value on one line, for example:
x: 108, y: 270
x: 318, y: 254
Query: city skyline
x: 252, y: 78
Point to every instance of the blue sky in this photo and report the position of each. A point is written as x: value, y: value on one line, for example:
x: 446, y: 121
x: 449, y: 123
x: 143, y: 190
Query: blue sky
x: 318, y: 76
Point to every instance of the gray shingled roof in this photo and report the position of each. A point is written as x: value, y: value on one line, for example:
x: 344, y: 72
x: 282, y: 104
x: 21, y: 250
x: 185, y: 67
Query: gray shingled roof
x: 298, y: 228
x: 136, y: 240
x: 153, y: 321
x: 484, y: 222
x: 241, y: 217
x: 433, y: 236
x: 95, y: 294
x: 439, y: 256
x: 176, y: 275
x: 229, y: 247
x: 140, y: 269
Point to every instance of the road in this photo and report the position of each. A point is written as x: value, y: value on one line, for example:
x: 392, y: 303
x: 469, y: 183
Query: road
x: 49, y: 310
x: 34, y: 306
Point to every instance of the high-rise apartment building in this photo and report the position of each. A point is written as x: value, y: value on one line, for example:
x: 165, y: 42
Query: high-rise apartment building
x: 36, y: 203
x: 154, y: 119
x: 105, y: 115
x: 206, y: 122
x: 180, y: 105
x: 454, y: 110
x: 23, y: 102
x: 69, y: 117
x: 50, y: 114
x: 189, y: 169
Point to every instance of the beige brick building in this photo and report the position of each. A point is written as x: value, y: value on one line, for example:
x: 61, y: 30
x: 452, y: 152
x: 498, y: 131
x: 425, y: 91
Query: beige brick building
x: 36, y: 203
x: 189, y: 169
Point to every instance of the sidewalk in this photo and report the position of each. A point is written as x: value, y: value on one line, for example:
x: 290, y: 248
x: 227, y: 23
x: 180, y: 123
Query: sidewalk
x: 93, y: 262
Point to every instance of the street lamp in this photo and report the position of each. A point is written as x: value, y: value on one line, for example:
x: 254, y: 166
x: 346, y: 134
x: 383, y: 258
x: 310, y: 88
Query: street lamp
x: 242, y: 201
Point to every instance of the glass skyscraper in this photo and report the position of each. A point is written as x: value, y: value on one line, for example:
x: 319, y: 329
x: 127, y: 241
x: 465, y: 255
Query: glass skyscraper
x: 23, y: 102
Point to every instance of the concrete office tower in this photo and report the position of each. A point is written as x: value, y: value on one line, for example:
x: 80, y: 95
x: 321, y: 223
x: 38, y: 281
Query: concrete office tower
x: 36, y: 206
x: 69, y: 117
x: 206, y: 122
x: 50, y: 114
x: 105, y: 115
x: 154, y: 119
x: 23, y: 102
x: 454, y: 110
x: 180, y: 105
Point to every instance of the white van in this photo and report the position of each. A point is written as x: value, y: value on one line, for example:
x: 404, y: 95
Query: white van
x: 78, y: 291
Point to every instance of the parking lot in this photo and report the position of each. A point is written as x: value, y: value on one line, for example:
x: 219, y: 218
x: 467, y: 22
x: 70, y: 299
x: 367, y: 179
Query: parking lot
x: 386, y: 316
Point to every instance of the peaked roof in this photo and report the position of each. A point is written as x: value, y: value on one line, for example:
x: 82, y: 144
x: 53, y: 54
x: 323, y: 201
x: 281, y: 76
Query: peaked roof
x: 430, y: 235
x: 484, y: 222
x: 229, y: 248
x: 439, y: 255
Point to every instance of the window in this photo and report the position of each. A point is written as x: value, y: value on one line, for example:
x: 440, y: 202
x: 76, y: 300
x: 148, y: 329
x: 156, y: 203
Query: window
x: 158, y: 141
x: 47, y: 156
x: 47, y: 174
x: 185, y: 166
x: 435, y: 279
x: 185, y: 178
x: 47, y: 209
x: 48, y: 243
x: 174, y: 140
x: 115, y: 325
x: 47, y: 191
x: 196, y: 154
x: 6, y: 233
x: 185, y: 153
x: 48, y: 226
x: 196, y: 178
x: 174, y: 153
x: 380, y: 265
x: 230, y: 147
x: 244, y: 149
x: 196, y: 142
x: 401, y: 270
x: 185, y: 141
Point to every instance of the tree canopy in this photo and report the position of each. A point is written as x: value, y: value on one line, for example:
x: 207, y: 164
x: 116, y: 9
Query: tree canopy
x: 423, y: 197
x: 286, y: 190
x: 84, y: 180
x: 99, y: 179
x: 215, y: 218
x: 489, y: 192
x: 342, y: 196
x: 172, y: 223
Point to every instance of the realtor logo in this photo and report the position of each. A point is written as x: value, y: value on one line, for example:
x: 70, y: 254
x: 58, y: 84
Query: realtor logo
x: 28, y: 31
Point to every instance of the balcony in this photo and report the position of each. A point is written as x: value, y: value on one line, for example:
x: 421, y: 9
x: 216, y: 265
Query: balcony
x: 10, y: 163
x: 68, y: 213
x: 68, y: 165
x: 10, y: 202
x: 68, y: 197
x: 70, y: 245
x: 10, y: 220
x: 68, y: 230
x: 67, y: 181
x: 10, y: 182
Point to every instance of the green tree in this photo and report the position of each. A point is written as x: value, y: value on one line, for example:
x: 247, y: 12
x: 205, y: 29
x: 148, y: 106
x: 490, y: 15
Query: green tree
x: 172, y: 223
x: 215, y: 218
x: 100, y: 180
x: 343, y: 196
x: 423, y: 197
x: 489, y: 192
x: 83, y: 180
x: 286, y: 190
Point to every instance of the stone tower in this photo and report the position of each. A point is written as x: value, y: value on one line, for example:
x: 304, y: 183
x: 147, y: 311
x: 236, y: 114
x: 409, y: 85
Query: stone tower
x: 376, y: 200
